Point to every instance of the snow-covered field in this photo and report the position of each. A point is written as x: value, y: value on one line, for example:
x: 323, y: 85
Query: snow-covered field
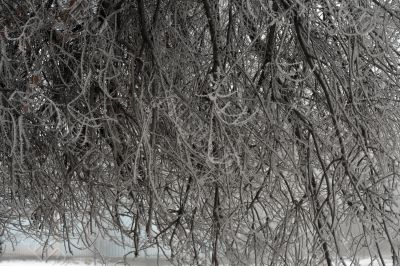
x: 27, y: 252
x: 81, y: 262
x: 138, y: 262
x: 367, y: 262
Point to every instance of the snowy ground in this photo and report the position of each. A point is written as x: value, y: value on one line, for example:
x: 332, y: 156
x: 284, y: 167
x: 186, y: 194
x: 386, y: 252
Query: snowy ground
x: 366, y: 262
x: 136, y: 262
x: 80, y: 262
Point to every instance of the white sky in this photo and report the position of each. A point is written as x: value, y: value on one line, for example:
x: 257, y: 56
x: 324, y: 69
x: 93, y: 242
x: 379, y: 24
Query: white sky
x: 43, y: 263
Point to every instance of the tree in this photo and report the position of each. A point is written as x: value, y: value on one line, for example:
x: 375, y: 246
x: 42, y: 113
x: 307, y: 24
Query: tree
x: 243, y: 131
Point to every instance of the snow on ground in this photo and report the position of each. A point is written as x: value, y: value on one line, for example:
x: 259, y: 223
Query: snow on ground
x: 367, y: 262
x: 140, y: 262
x: 81, y: 262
